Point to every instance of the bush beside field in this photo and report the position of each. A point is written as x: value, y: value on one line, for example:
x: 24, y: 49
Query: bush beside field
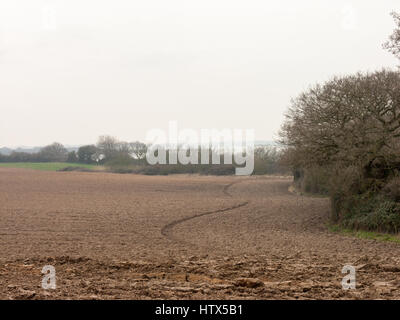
x: 266, y: 161
x: 163, y: 170
x: 357, y: 203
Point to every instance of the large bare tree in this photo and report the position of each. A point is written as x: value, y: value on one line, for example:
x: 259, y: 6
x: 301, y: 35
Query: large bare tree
x: 353, y: 120
x: 393, y: 45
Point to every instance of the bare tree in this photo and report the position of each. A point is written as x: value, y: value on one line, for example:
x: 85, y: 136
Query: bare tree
x: 108, y: 146
x: 53, y: 152
x: 86, y: 153
x: 353, y: 120
x: 72, y: 157
x: 393, y: 45
x: 124, y: 148
x: 139, y: 150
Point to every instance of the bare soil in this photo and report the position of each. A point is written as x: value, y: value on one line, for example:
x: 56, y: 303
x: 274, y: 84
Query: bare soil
x: 113, y: 236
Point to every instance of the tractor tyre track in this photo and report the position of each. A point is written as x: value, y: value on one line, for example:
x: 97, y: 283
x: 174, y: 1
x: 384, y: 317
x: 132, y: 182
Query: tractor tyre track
x: 166, y: 231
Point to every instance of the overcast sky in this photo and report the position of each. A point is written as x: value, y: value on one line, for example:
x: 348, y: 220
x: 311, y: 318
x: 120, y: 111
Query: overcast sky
x: 71, y: 70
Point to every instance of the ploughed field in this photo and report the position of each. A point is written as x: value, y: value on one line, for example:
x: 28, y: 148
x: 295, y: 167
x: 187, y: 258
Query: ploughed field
x: 113, y: 236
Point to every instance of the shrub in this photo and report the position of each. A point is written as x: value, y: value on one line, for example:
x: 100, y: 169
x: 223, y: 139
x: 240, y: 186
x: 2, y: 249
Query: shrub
x: 121, y: 161
x: 267, y: 160
x: 314, y: 180
x: 371, y: 213
x: 392, y: 189
x: 343, y: 182
x: 78, y: 169
x: 180, y: 169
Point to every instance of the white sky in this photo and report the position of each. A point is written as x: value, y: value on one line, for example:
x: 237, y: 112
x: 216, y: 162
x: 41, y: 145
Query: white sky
x: 71, y: 70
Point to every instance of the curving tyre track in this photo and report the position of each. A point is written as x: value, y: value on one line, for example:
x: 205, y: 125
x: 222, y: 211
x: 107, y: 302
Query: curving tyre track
x: 167, y: 229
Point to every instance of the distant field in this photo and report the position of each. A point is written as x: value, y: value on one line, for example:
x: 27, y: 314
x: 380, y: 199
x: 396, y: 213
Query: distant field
x: 46, y: 166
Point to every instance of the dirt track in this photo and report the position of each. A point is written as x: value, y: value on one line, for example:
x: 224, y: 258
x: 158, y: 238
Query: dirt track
x: 137, y: 237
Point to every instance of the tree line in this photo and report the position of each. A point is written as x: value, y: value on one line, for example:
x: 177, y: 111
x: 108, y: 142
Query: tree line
x: 130, y: 157
x: 106, y: 149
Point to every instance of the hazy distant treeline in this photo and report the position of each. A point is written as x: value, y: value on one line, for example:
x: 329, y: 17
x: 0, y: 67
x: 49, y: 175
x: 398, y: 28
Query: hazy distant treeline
x: 130, y: 157
x: 106, y: 149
